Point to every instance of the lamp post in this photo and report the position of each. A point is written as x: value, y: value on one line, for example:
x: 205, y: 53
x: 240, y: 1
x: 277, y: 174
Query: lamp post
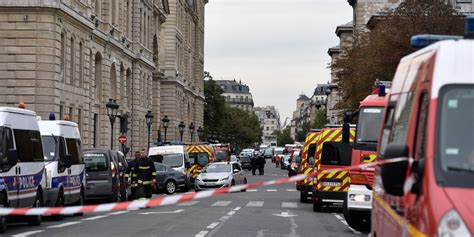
x: 200, y: 132
x: 191, y: 130
x: 166, y: 122
x: 327, y: 92
x: 112, y: 109
x: 181, y: 128
x: 149, y: 121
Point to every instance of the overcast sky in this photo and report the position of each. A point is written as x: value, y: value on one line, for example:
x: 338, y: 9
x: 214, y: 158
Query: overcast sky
x: 277, y: 47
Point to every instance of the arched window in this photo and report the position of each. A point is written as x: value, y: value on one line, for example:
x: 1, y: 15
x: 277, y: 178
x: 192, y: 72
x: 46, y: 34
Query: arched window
x: 98, y: 76
x: 72, y: 62
x: 81, y: 64
x: 122, y: 83
x: 63, y: 55
x: 129, y: 87
x: 113, y: 82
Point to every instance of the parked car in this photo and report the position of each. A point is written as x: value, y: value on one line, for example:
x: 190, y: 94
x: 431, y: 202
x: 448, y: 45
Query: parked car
x: 102, y: 175
x: 234, y: 158
x: 285, y: 161
x: 169, y: 180
x: 246, y: 160
x: 220, y: 175
x: 174, y: 156
x: 268, y: 153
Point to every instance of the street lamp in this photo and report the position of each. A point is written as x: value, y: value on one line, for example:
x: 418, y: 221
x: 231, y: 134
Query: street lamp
x: 149, y: 121
x: 112, y: 109
x: 181, y: 128
x: 200, y: 133
x: 191, y: 130
x: 327, y: 92
x: 166, y: 122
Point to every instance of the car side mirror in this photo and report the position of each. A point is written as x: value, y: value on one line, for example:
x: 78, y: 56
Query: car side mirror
x: 12, y: 157
x: 394, y: 174
x: 187, y: 165
x: 236, y: 171
x: 68, y: 161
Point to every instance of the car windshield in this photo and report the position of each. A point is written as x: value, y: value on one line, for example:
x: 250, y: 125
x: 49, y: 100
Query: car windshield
x: 172, y: 160
x: 95, y: 162
x: 50, y: 148
x: 222, y: 155
x: 455, y: 135
x: 199, y: 158
x: 279, y: 152
x: 370, y: 119
x: 216, y: 168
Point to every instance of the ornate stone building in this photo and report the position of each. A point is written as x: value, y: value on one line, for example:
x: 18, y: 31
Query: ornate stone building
x: 236, y: 94
x: 72, y: 56
x: 182, y: 83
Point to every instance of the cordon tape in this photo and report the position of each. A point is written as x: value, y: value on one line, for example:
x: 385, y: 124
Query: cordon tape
x: 171, y: 200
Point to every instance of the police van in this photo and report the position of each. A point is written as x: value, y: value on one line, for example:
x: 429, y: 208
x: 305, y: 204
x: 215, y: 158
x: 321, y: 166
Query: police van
x: 64, y: 162
x: 22, y: 172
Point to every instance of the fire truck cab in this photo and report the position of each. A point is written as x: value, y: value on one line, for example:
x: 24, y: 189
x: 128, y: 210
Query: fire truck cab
x: 429, y: 121
x: 199, y: 156
x: 307, y: 162
x: 358, y: 202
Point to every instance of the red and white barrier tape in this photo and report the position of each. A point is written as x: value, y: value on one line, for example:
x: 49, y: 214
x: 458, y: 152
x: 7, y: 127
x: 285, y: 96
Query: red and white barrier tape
x: 170, y: 200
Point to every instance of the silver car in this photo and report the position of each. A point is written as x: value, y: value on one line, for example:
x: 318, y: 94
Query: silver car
x: 220, y: 175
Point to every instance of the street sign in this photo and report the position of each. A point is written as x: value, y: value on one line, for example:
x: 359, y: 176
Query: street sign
x: 122, y: 139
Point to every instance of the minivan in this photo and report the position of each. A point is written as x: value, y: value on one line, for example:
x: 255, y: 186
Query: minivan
x: 174, y: 156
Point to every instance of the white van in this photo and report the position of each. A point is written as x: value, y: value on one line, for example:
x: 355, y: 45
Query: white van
x: 174, y: 156
x: 64, y: 163
x: 22, y: 172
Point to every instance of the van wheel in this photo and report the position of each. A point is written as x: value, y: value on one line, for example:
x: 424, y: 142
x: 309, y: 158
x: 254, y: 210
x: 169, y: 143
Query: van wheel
x: 357, y: 220
x: 59, y: 203
x: 80, y: 202
x: 170, y: 187
x: 3, y: 219
x: 245, y: 182
x: 36, y: 220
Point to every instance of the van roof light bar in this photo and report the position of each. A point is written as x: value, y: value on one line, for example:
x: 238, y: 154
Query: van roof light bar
x: 421, y: 41
x: 469, y: 27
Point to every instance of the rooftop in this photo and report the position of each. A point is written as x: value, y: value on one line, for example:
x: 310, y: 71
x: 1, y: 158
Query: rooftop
x: 232, y: 86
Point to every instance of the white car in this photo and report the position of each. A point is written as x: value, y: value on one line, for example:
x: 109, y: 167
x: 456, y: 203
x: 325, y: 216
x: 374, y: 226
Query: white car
x: 285, y: 161
x: 220, y: 175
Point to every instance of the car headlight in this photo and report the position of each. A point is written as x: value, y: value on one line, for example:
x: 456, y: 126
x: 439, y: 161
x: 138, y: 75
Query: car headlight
x: 199, y: 178
x: 452, y: 225
x: 359, y: 197
x: 224, y: 179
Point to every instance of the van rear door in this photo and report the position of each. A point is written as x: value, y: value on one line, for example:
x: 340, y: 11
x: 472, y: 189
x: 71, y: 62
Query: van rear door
x: 97, y: 167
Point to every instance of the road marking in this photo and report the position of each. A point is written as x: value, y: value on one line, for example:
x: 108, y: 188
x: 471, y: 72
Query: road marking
x: 289, y: 205
x: 345, y: 223
x: 252, y: 190
x: 231, y: 213
x: 118, y: 212
x: 272, y: 190
x: 28, y: 233
x: 339, y: 217
x: 187, y: 204
x: 94, y: 218
x: 162, y: 212
x: 285, y: 214
x: 254, y: 204
x: 237, y: 208
x: 221, y: 203
x: 201, y: 234
x: 291, y: 190
x: 64, y: 224
x: 224, y: 218
x: 213, y: 225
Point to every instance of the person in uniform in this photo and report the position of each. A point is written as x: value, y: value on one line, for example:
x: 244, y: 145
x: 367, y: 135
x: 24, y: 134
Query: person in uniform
x: 132, y: 175
x: 146, y: 176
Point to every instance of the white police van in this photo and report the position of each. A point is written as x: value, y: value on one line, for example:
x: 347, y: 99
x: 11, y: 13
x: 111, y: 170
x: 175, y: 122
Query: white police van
x: 64, y: 162
x: 22, y: 172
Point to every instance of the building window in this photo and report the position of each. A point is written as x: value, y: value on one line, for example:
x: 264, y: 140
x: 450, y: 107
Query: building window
x: 61, y: 112
x: 81, y: 64
x: 123, y: 89
x: 114, y: 12
x: 63, y: 55
x: 72, y: 62
x: 113, y: 82
x: 98, y: 76
x: 129, y: 86
x: 79, y: 120
x: 97, y: 7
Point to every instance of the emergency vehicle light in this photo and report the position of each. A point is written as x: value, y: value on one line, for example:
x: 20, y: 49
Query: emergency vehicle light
x: 21, y: 104
x: 382, y: 90
x: 52, y: 116
x: 420, y: 41
x: 469, y: 28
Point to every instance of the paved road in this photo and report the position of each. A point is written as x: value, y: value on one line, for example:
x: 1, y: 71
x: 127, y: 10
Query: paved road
x: 266, y: 211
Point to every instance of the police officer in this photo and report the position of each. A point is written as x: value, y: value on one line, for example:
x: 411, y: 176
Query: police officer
x: 253, y: 161
x: 132, y: 174
x: 261, y: 165
x: 146, y: 174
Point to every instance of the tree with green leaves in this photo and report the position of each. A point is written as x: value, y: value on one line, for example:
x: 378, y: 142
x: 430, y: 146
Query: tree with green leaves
x: 301, y: 134
x: 319, y: 120
x: 284, y: 136
x: 214, y: 106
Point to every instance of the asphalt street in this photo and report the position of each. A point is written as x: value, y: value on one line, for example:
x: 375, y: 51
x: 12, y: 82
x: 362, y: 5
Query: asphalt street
x: 264, y: 211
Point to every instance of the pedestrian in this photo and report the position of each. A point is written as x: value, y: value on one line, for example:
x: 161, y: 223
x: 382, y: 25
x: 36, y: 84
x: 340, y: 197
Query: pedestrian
x: 253, y: 161
x: 146, y: 176
x: 277, y: 161
x: 261, y: 165
x: 132, y: 175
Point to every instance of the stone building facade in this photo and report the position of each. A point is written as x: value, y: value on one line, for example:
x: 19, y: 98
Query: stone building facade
x: 269, y: 119
x: 182, y: 74
x: 72, y: 56
x: 236, y: 94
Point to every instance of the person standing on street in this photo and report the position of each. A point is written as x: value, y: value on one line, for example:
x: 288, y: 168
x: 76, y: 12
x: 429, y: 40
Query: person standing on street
x: 132, y: 175
x: 146, y: 176
x: 253, y: 161
x: 261, y: 165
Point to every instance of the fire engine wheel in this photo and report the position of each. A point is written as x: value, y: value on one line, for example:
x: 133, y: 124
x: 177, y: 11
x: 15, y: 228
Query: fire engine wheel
x: 3, y: 219
x: 36, y: 220
x: 303, y: 197
x: 60, y: 201
x: 317, y: 206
